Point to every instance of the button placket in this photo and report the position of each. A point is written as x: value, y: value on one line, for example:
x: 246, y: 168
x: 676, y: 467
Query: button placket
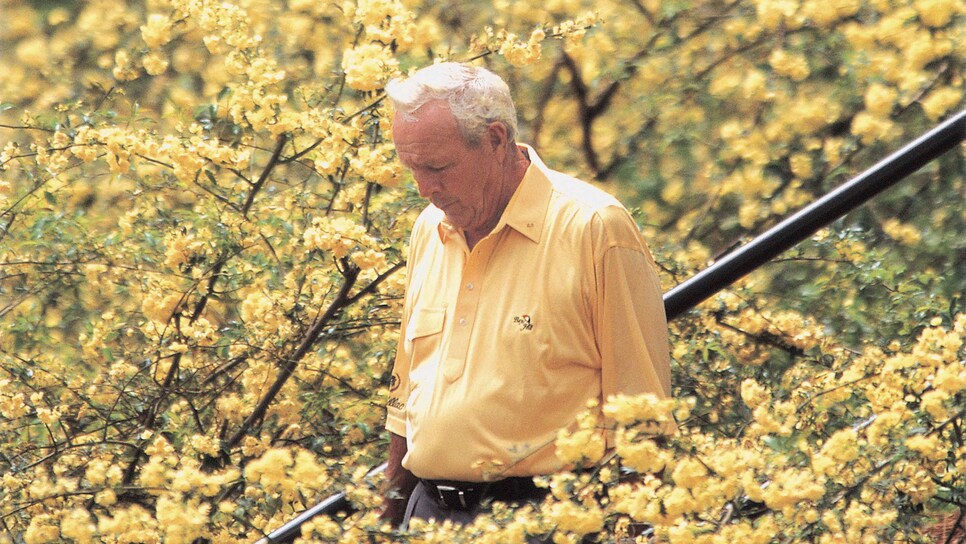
x: 464, y: 313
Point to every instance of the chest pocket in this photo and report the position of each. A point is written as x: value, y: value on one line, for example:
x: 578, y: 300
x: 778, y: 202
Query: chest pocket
x: 422, y: 332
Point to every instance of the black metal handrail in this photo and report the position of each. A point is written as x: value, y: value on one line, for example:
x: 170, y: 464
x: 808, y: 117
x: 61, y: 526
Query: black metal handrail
x: 747, y: 258
x: 809, y: 220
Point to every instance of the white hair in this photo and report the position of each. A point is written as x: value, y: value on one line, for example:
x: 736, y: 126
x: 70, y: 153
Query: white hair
x: 476, y: 97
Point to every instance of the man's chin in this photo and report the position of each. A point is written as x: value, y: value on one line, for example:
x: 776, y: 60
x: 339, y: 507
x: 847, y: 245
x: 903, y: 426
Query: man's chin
x: 454, y: 219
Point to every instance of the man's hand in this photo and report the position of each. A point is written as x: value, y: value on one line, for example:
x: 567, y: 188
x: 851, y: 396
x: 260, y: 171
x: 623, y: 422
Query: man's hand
x: 399, y: 482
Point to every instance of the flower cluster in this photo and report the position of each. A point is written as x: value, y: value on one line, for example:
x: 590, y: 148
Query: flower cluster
x: 369, y: 66
x: 344, y: 238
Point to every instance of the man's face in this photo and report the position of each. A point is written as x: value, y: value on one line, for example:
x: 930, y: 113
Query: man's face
x: 460, y: 179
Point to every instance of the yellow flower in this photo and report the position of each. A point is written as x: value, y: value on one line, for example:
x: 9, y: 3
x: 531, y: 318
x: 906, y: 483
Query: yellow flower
x: 155, y: 63
x: 257, y: 307
x: 673, y: 191
x: 160, y: 308
x: 951, y: 378
x: 644, y: 456
x: 77, y: 525
x: 368, y: 66
x: 520, y: 53
x: 801, y: 164
x: 231, y: 407
x: 883, y: 426
x: 131, y: 524
x: 840, y: 448
x: 106, y: 498
x: 252, y: 446
x: 937, y: 13
x: 41, y: 530
x: 33, y: 52
x: 689, y: 473
x: 843, y: 445
x: 182, y: 521
x: 157, y: 31
x: 270, y: 469
x: 795, y: 67
x: 580, y: 446
x: 792, y: 486
x: 870, y: 128
x: 679, y: 501
x: 58, y: 16
x: 929, y: 446
x: 97, y: 472
x: 917, y: 482
x: 13, y: 406
x: 204, y: 444
x: 880, y: 99
x: 933, y: 402
x: 681, y: 533
x: 772, y: 13
x: 937, y: 103
x: 754, y: 394
x: 159, y: 447
x: 901, y: 232
x: 339, y: 235
x: 646, y: 407
x: 578, y: 519
x: 376, y: 164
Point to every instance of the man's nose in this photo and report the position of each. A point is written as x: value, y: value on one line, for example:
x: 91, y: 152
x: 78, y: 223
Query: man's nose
x: 427, y: 185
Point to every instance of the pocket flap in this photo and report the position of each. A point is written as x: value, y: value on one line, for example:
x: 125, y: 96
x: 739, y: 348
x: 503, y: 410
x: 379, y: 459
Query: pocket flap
x: 425, y: 322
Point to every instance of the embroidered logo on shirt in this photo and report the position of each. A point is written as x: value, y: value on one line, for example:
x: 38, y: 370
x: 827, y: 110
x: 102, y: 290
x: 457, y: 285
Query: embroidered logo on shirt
x: 524, y: 322
x: 394, y: 382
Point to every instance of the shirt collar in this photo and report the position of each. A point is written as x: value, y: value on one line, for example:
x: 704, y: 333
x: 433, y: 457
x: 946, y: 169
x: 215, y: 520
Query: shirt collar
x: 527, y: 210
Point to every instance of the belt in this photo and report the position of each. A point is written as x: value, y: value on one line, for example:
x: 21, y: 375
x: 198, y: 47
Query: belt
x: 452, y: 495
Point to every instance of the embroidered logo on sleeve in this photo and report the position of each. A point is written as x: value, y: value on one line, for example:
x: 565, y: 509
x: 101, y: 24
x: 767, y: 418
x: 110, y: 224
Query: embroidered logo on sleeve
x: 524, y: 322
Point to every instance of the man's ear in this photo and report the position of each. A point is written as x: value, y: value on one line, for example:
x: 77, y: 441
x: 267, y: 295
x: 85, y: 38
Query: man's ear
x: 496, y: 136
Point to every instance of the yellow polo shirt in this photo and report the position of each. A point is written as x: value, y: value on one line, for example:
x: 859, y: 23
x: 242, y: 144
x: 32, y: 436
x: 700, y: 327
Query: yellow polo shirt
x: 501, y: 346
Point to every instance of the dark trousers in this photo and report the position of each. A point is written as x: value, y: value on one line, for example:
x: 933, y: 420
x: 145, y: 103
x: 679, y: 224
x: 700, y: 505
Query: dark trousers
x: 423, y: 505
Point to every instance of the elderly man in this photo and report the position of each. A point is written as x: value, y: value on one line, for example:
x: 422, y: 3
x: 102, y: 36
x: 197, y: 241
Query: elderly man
x: 529, y: 294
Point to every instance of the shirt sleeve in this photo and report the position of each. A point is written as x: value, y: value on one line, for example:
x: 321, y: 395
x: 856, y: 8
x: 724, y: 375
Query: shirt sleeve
x: 399, y: 381
x: 630, y: 323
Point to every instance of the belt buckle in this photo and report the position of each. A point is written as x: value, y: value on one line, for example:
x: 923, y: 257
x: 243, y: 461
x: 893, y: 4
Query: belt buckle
x: 440, y: 489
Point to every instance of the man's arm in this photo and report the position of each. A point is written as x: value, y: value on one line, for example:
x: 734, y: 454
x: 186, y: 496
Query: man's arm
x: 630, y: 323
x: 399, y: 482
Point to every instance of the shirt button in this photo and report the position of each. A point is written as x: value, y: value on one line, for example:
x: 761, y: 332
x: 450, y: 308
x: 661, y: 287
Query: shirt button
x: 469, y: 286
x: 462, y: 321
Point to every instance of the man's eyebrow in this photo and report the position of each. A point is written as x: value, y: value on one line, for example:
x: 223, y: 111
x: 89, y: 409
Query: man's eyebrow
x: 427, y: 163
